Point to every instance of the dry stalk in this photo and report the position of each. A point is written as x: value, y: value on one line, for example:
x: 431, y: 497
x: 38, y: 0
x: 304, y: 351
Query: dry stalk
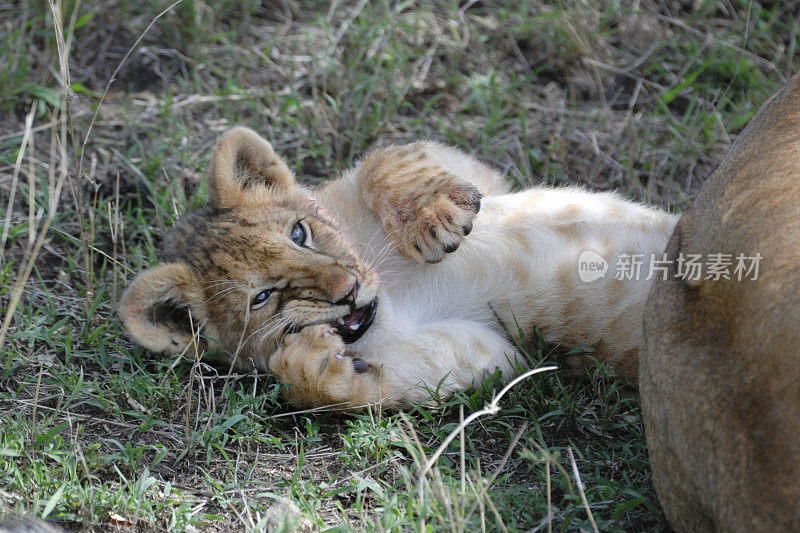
x: 503, y: 461
x: 15, y: 177
x: 115, y: 222
x: 58, y: 143
x: 579, y: 483
x: 491, y: 408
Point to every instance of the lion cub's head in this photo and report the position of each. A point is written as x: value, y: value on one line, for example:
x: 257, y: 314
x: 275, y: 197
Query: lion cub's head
x: 260, y: 259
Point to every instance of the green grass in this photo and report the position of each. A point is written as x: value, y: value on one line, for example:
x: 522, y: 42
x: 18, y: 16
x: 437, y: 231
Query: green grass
x: 97, y: 432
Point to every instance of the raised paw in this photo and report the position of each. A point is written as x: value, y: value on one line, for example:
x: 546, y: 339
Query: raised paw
x: 429, y: 224
x: 426, y: 210
x: 316, y: 366
x: 437, y: 227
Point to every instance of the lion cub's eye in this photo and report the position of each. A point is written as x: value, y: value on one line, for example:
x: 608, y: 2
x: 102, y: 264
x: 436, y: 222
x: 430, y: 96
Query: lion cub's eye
x: 260, y: 298
x: 300, y: 234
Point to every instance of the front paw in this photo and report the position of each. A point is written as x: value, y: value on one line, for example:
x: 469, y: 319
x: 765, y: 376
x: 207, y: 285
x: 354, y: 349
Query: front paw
x: 433, y: 223
x: 315, y: 365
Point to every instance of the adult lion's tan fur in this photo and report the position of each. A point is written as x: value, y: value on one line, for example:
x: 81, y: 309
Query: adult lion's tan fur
x: 720, y: 368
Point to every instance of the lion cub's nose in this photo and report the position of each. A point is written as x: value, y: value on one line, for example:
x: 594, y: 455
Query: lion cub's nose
x: 350, y: 299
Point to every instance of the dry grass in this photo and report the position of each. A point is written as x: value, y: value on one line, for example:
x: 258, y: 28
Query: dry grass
x: 641, y: 96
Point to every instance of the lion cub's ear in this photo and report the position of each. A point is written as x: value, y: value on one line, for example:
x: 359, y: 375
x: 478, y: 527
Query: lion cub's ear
x: 242, y: 160
x: 155, y: 308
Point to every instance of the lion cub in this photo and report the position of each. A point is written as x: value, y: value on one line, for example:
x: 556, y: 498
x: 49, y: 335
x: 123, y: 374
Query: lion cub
x: 393, y: 279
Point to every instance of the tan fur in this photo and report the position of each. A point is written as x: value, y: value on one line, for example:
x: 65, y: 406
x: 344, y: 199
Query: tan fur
x: 241, y: 153
x: 719, y: 369
x: 457, y: 257
x: 164, y: 283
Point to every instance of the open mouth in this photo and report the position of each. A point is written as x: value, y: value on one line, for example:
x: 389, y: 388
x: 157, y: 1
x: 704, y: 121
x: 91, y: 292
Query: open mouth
x: 351, y: 327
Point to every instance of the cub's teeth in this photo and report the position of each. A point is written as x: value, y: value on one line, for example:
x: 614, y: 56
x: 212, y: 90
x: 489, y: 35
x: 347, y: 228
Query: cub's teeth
x: 354, y: 326
x: 340, y: 321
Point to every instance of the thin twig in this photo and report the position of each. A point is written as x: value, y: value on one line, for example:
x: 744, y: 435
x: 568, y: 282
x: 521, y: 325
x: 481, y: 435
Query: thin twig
x: 113, y: 79
x: 491, y: 408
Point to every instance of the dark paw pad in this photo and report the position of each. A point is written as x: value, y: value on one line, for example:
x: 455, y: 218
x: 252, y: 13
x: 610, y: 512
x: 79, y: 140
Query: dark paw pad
x: 360, y: 365
x: 450, y: 248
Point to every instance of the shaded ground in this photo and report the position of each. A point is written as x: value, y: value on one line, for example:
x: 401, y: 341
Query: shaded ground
x: 643, y: 97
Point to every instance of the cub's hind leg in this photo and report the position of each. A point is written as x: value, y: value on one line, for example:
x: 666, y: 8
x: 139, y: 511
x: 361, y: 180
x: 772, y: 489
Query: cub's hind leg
x: 426, y: 195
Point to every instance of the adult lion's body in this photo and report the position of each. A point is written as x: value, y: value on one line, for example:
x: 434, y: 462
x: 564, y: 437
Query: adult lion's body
x: 720, y: 366
x: 395, y: 278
